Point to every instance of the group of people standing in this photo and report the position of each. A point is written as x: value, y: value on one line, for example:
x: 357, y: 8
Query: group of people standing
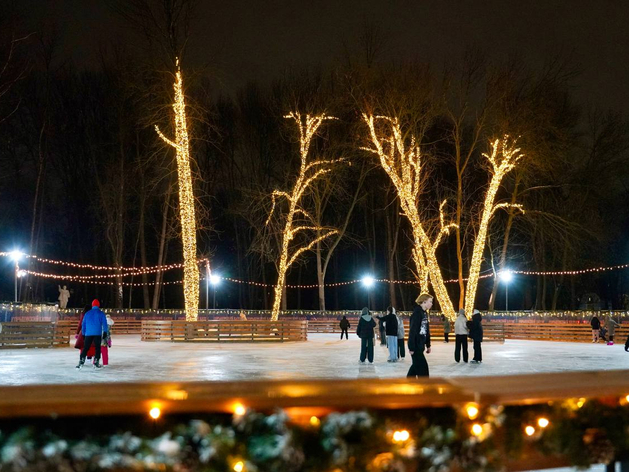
x: 604, y: 331
x: 392, y: 334
x: 393, y: 329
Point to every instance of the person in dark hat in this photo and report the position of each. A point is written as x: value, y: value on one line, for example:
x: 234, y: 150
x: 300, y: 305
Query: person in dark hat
x: 476, y: 333
x: 93, y: 327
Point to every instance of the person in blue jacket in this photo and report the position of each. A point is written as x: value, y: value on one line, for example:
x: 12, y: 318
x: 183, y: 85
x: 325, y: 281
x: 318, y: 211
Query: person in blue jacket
x: 93, y: 327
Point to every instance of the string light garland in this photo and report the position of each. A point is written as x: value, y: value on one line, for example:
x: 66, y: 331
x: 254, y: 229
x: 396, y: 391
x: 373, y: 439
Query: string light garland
x: 580, y: 433
x: 308, y: 173
x: 186, y: 200
x: 139, y: 270
x: 82, y: 279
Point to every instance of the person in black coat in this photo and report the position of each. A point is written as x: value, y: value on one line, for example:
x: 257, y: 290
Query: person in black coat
x: 595, y: 323
x: 419, y: 336
x: 366, y: 324
x: 390, y: 325
x: 344, y: 324
x: 476, y: 333
x: 382, y: 330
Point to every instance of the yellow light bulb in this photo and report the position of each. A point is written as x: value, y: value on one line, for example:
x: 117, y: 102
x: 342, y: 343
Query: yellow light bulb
x: 314, y: 421
x: 581, y: 402
x: 529, y: 430
x: 477, y: 429
x: 542, y: 422
x: 155, y: 413
x: 239, y: 409
x: 472, y: 411
x: 401, y: 436
x: 239, y: 466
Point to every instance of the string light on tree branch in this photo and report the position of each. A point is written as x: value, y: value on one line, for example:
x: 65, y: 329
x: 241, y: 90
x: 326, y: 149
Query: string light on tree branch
x: 308, y: 173
x: 186, y: 201
x: 499, y: 167
x: 402, y: 163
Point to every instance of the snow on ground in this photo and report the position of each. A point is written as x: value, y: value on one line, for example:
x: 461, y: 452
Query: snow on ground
x: 322, y: 356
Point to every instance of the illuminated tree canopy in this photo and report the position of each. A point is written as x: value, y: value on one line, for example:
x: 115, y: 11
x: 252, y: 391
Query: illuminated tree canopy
x: 401, y: 160
x: 297, y: 219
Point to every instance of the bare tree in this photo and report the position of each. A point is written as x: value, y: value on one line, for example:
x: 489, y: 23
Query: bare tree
x: 297, y: 219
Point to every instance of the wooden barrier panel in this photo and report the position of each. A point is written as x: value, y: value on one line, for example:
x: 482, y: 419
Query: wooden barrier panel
x: 224, y: 331
x: 558, y: 332
x: 31, y: 334
x: 492, y: 332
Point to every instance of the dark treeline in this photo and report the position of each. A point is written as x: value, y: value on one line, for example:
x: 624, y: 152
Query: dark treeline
x: 86, y: 179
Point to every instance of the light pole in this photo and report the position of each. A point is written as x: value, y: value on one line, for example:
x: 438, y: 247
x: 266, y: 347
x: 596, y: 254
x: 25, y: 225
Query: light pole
x: 16, y: 256
x: 215, y: 280
x: 207, y: 284
x: 368, y: 282
x: 506, y: 276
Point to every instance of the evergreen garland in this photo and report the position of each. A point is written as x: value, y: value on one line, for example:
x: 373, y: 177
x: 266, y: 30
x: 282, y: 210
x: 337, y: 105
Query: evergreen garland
x: 439, y: 439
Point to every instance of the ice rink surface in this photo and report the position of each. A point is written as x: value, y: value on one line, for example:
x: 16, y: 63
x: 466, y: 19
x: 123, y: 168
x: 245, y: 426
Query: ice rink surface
x: 322, y: 356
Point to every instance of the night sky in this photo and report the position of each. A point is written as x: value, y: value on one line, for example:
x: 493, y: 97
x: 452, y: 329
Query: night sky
x: 235, y: 42
x: 241, y: 40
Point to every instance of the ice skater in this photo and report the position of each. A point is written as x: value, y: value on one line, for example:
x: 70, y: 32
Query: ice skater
x: 344, y: 325
x: 419, y: 336
x: 391, y: 330
x: 476, y: 333
x: 365, y: 331
x: 93, y: 327
x: 460, y: 336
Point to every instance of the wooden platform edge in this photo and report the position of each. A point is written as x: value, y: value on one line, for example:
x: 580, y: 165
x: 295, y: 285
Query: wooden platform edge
x: 332, y: 394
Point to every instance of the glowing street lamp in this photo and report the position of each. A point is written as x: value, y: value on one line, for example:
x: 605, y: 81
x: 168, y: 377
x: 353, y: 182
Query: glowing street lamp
x: 368, y: 282
x: 506, y: 276
x: 16, y: 256
x: 215, y: 280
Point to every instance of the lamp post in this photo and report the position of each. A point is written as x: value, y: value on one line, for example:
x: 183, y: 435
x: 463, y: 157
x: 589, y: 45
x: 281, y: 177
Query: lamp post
x: 16, y: 256
x: 207, y: 284
x: 215, y: 280
x: 368, y: 282
x: 506, y: 276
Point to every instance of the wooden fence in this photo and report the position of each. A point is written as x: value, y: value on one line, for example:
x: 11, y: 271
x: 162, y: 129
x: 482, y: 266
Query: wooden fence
x: 224, y: 331
x: 30, y: 334
x: 579, y: 333
x: 492, y: 332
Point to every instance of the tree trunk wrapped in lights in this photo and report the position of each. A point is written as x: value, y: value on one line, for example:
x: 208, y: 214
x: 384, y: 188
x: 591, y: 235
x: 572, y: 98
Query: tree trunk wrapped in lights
x: 186, y: 201
x: 402, y: 163
x: 298, y: 219
x: 499, y: 167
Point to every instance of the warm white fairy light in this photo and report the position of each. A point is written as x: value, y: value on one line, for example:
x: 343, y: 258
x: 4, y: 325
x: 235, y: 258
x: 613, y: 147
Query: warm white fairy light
x: 308, y: 173
x: 502, y: 159
x: 402, y: 164
x: 186, y: 201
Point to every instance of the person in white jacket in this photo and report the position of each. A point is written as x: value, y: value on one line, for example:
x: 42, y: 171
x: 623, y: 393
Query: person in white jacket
x: 460, y: 332
x: 401, y: 353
